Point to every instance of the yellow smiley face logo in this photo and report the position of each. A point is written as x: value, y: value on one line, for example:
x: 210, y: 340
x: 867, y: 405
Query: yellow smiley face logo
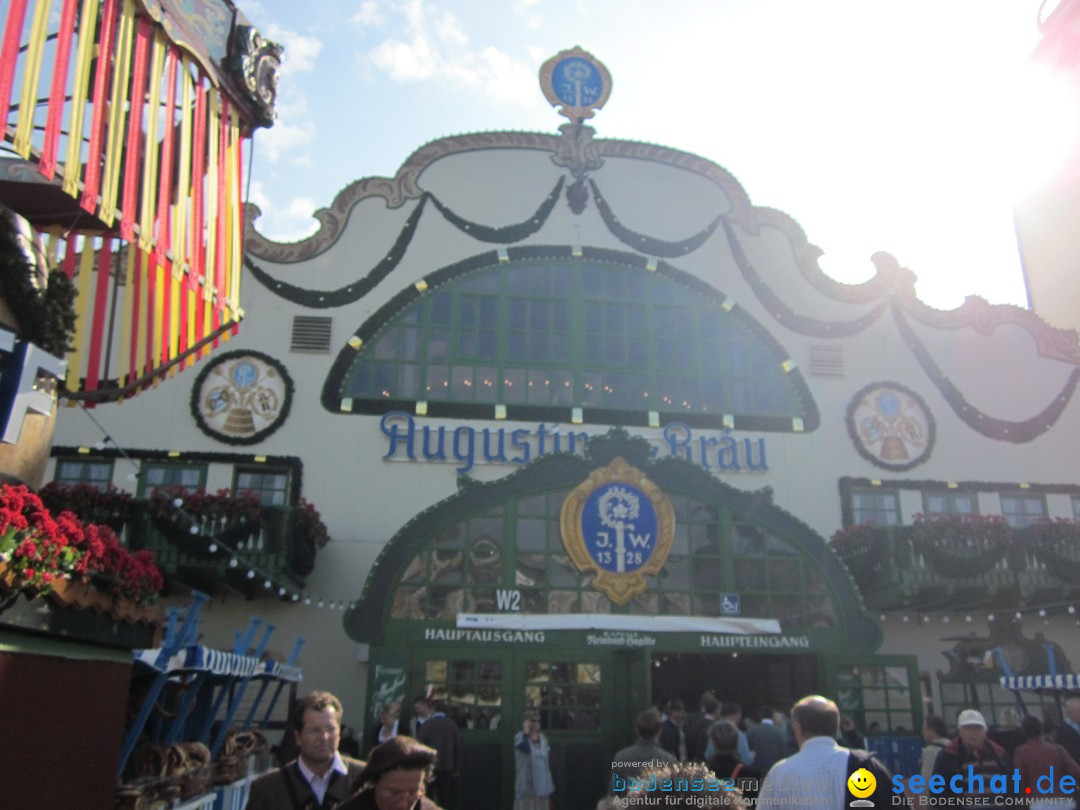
x: 861, y: 783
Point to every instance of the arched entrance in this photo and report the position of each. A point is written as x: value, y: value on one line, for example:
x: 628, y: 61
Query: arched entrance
x: 479, y: 601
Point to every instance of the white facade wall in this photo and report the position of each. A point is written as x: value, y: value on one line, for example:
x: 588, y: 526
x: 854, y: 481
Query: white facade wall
x: 995, y: 363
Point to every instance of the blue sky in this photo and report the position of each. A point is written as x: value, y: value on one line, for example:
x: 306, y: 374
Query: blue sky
x: 896, y: 126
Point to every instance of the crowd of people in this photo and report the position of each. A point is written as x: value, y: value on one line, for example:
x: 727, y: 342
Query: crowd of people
x: 815, y: 758
x: 714, y: 756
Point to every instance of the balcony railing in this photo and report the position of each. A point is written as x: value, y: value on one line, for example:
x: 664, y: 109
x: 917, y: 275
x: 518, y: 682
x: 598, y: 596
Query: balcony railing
x: 211, y: 542
x: 239, y: 555
x: 963, y: 564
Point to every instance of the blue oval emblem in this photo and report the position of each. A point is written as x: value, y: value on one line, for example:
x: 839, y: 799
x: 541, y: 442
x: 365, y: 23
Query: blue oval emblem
x: 620, y: 527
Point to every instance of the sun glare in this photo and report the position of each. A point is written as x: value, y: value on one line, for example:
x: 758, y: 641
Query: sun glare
x: 1038, y: 128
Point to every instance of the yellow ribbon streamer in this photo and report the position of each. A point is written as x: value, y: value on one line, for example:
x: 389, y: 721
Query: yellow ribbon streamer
x: 150, y: 170
x: 80, y: 88
x: 117, y: 131
x: 24, y: 122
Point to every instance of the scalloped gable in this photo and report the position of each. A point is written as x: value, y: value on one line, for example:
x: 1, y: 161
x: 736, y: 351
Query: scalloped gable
x: 702, y: 219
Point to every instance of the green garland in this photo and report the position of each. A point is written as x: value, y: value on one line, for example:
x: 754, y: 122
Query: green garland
x: 45, y: 317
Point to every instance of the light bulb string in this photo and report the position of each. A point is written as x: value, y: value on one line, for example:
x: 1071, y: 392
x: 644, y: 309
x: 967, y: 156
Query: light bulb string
x: 1045, y: 612
x: 220, y: 547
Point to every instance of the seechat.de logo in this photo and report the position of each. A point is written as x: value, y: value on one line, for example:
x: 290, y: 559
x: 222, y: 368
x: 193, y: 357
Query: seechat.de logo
x: 861, y: 784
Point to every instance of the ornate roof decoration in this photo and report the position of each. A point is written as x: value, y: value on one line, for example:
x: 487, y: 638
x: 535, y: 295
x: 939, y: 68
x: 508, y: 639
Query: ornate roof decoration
x: 397, y: 190
x: 577, y: 81
x: 322, y: 299
x: 255, y: 62
x: 229, y: 49
x: 892, y: 286
x: 785, y: 315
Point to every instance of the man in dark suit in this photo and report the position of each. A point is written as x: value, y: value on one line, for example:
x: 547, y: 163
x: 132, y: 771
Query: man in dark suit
x: 319, y: 778
x: 421, y: 710
x: 673, y: 737
x: 766, y: 740
x: 697, y: 730
x: 441, y: 733
x: 1068, y: 733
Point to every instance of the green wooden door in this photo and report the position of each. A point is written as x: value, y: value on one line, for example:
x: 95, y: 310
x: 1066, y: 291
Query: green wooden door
x: 587, y: 701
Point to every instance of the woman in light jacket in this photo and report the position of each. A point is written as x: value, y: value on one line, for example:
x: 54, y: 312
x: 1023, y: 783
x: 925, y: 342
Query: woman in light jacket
x: 532, y: 776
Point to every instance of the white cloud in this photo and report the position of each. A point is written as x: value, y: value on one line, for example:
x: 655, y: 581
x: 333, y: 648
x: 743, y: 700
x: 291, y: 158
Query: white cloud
x: 406, y: 62
x: 301, y: 207
x: 369, y: 16
x: 431, y: 44
x: 507, y: 80
x: 525, y: 10
x: 252, y: 9
x: 284, y: 137
x: 289, y: 224
x: 300, y: 51
x: 448, y: 30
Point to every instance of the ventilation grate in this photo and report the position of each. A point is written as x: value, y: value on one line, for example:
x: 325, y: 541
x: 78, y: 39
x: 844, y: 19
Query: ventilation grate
x: 827, y: 361
x: 311, y: 334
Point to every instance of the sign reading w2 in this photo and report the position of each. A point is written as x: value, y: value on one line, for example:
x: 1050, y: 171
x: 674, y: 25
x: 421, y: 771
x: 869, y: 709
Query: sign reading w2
x: 508, y: 600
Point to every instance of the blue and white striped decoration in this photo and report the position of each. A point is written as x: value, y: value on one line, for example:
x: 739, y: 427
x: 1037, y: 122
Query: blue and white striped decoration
x: 197, y: 658
x: 1070, y: 681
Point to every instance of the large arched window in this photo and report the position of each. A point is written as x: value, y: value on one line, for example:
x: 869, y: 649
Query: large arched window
x: 571, y: 338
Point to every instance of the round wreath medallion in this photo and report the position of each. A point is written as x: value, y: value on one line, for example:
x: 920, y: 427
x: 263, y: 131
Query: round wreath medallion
x: 891, y: 426
x: 241, y: 397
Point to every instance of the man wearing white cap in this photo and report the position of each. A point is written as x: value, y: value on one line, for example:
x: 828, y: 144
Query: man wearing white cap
x: 973, y: 757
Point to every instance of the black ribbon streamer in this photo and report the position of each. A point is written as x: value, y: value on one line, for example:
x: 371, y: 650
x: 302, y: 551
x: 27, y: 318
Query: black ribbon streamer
x: 1002, y: 429
x: 783, y: 314
x: 325, y: 299
x: 648, y: 244
x: 507, y: 234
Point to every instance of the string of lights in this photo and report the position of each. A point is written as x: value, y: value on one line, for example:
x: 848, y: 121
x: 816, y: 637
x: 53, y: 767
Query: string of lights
x: 238, y: 561
x: 220, y: 547
x: 1044, y: 613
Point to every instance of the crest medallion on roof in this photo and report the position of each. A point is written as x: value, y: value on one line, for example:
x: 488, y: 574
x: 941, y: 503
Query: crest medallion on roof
x: 576, y: 82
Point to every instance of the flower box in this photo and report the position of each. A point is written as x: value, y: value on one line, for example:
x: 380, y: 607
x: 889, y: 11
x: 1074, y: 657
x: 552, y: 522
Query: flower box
x: 27, y: 612
x: 40, y: 552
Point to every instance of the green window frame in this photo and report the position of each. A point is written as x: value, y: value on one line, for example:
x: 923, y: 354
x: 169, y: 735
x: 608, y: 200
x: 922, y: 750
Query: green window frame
x: 995, y: 702
x: 881, y: 698
x: 947, y: 502
x: 773, y: 579
x: 566, y: 693
x: 154, y: 475
x: 471, y: 688
x: 1022, y: 509
x: 270, y: 484
x: 878, y: 506
x: 96, y: 473
x: 546, y: 336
